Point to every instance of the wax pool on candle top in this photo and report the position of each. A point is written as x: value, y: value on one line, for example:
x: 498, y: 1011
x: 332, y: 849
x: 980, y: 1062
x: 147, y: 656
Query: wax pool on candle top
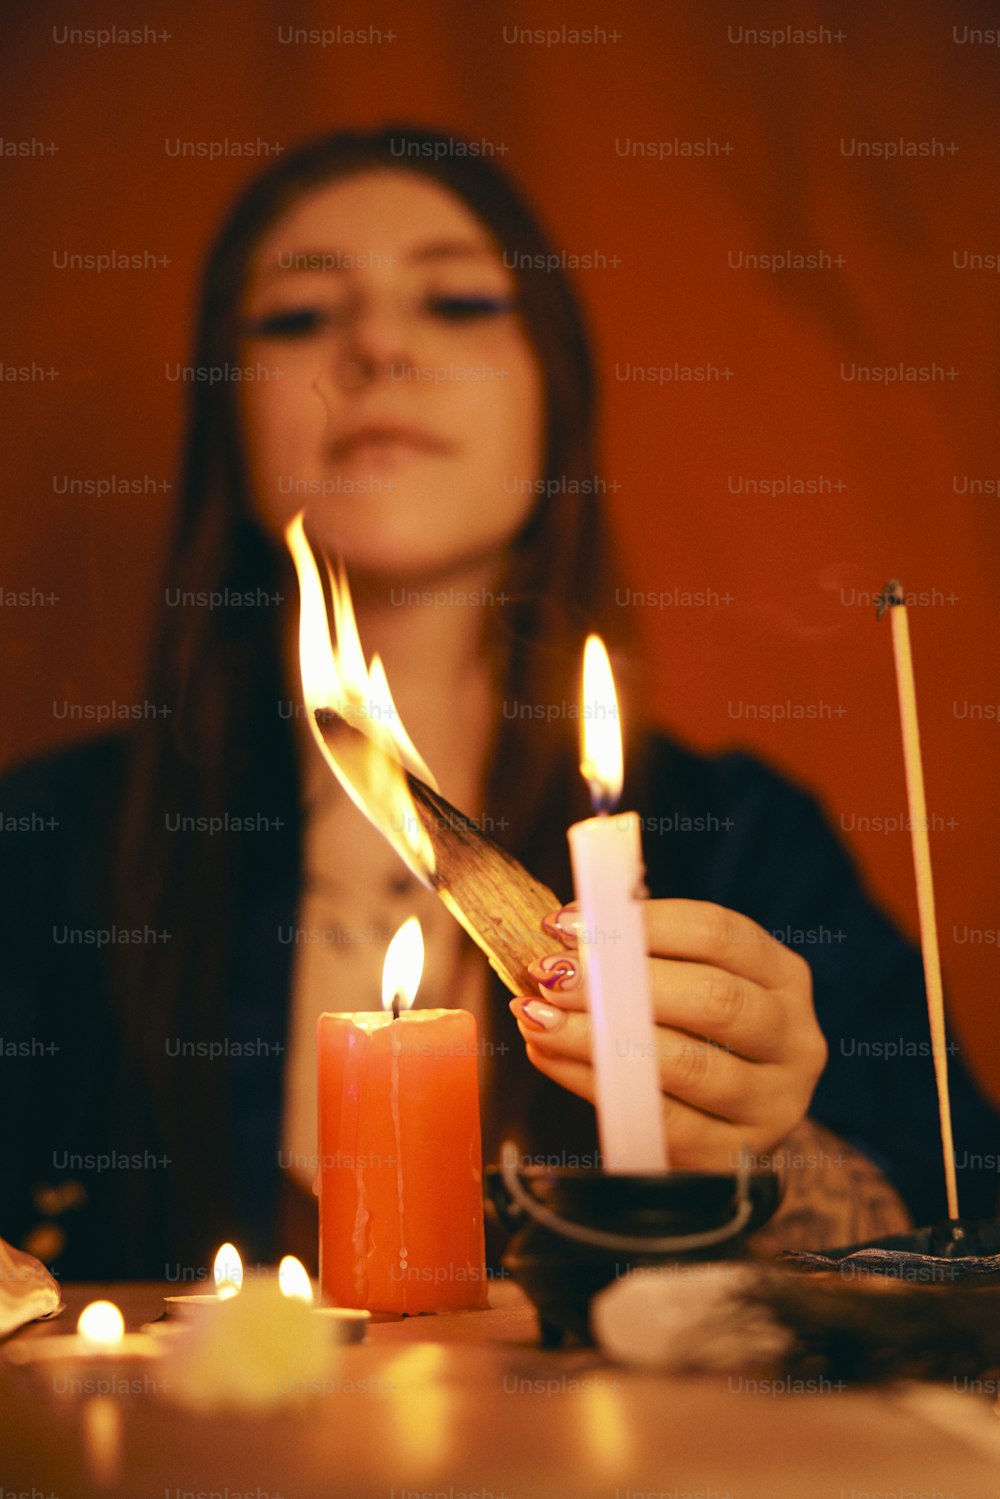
x: 400, y: 1184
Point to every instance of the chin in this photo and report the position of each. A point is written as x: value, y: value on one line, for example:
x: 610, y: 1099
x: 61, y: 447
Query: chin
x: 397, y: 542
x: 411, y: 564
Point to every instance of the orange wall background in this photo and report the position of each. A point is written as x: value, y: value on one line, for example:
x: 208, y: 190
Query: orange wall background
x: 905, y: 476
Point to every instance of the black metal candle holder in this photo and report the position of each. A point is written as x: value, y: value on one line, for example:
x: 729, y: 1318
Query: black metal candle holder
x: 575, y: 1231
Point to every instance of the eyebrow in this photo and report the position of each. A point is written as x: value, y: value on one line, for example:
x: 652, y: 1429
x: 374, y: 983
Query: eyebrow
x: 311, y: 261
x: 453, y: 249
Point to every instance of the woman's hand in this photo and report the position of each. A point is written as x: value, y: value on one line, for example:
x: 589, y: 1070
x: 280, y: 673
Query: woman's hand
x: 740, y: 1050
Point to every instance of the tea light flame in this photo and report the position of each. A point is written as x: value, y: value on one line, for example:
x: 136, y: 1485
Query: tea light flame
x: 403, y: 966
x: 293, y: 1280
x: 102, y: 1324
x: 601, y: 762
x: 228, y: 1272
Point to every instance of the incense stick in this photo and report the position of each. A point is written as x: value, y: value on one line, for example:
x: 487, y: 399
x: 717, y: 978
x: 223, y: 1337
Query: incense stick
x: 488, y: 892
x: 894, y: 600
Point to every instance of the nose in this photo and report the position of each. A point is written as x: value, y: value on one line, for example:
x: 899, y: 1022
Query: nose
x: 375, y: 342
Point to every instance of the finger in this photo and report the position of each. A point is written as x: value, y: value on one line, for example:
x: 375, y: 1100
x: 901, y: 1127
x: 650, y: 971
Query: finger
x: 700, y: 931
x: 691, y: 1069
x: 559, y: 977
x: 701, y: 1142
x: 696, y: 1141
x: 566, y: 923
x: 706, y: 933
x: 712, y: 1002
x: 535, y: 1017
x: 578, y: 1077
x: 696, y: 997
x: 714, y: 1080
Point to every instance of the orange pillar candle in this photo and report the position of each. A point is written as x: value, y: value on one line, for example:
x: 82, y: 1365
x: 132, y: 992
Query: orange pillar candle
x: 400, y: 1152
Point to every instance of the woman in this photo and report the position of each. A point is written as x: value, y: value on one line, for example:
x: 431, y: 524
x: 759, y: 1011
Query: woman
x: 403, y: 380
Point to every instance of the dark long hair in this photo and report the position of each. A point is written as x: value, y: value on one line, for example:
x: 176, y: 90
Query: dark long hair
x: 222, y: 749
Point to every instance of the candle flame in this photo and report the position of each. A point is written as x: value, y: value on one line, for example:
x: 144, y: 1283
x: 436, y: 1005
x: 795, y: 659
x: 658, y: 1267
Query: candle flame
x: 227, y: 1271
x: 601, y: 762
x: 335, y: 679
x: 293, y: 1280
x: 403, y: 966
x: 101, y: 1323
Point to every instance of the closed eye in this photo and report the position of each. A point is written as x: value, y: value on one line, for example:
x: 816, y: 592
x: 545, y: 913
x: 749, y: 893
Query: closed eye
x: 302, y: 322
x: 292, y: 322
x: 460, y: 309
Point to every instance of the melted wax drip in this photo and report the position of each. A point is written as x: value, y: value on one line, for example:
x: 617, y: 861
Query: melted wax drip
x: 394, y: 1111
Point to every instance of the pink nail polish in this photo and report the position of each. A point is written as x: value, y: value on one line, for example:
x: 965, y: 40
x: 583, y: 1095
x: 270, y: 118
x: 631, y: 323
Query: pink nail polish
x: 566, y: 924
x: 555, y: 973
x: 546, y: 1017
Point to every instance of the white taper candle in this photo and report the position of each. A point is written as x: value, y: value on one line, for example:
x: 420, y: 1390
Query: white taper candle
x: 606, y: 854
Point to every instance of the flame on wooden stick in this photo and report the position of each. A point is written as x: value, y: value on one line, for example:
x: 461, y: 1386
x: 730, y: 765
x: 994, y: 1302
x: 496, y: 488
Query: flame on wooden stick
x: 358, y: 729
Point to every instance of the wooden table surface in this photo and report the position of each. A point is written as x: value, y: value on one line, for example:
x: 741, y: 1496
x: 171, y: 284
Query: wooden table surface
x: 466, y: 1406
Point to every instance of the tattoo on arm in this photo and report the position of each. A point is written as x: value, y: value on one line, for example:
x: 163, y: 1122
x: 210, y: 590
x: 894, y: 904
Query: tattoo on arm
x: 833, y: 1195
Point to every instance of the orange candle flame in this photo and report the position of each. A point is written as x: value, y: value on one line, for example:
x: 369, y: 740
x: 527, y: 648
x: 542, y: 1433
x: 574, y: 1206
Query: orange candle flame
x: 335, y: 678
x: 403, y: 966
x: 601, y: 759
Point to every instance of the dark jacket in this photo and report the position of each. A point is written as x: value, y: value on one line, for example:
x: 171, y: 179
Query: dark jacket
x: 724, y: 829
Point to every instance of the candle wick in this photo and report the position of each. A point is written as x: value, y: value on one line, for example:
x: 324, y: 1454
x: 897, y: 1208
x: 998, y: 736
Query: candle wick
x: 395, y: 1007
x: 601, y: 799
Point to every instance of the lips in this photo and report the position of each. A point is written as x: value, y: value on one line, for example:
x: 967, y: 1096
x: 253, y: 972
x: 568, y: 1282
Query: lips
x: 387, y: 437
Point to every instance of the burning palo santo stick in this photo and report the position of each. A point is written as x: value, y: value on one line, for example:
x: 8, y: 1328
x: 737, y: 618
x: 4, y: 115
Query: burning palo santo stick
x: 359, y: 732
x: 894, y: 599
x: 487, y: 891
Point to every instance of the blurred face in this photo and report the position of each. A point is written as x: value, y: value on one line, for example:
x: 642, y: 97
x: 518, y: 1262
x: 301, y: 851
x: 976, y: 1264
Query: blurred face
x: 404, y: 410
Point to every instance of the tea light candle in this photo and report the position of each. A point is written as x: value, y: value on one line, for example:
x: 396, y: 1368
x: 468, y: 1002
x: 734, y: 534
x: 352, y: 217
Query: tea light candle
x: 100, y: 1339
x: 346, y: 1324
x: 227, y: 1272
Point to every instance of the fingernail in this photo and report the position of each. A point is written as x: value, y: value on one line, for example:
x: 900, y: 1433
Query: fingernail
x: 555, y: 973
x: 566, y: 923
x: 538, y: 1014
